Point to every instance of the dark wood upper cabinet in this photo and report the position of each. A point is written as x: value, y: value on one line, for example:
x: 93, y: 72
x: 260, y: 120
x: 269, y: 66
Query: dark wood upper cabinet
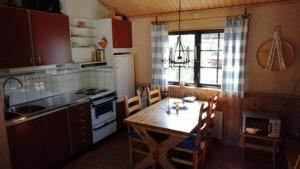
x: 51, y: 38
x: 55, y: 137
x: 25, y: 145
x: 33, y: 38
x: 16, y: 43
x: 122, y: 34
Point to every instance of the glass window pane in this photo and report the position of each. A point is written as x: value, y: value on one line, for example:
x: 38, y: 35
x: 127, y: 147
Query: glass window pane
x: 221, y: 57
x: 192, y: 55
x: 209, y: 41
x: 172, y: 40
x: 173, y: 75
x: 209, y: 59
x: 187, y: 75
x: 221, y: 41
x: 220, y: 72
x: 187, y: 40
x: 208, y: 76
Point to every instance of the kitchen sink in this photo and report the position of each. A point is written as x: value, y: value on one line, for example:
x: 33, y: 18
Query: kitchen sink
x: 9, y: 115
x: 29, y: 109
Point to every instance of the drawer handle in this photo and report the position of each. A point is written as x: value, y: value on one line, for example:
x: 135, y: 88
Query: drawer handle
x: 83, y: 134
x: 82, y: 121
x: 84, y: 140
x: 83, y: 127
x: 82, y: 114
x: 81, y: 107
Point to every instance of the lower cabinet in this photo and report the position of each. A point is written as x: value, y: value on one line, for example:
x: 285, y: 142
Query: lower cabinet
x: 43, y: 142
x: 81, y: 126
x: 56, y: 140
x: 25, y: 145
x: 40, y: 143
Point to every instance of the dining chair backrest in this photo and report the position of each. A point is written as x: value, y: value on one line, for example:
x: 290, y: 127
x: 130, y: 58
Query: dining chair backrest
x: 203, y: 120
x: 213, y: 106
x: 133, y: 104
x: 153, y: 96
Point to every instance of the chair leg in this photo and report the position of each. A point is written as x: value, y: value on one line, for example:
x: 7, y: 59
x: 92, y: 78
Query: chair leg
x: 131, y: 159
x: 195, y: 161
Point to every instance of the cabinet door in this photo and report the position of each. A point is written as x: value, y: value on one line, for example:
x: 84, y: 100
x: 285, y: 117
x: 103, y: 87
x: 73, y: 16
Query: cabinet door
x: 81, y: 126
x: 122, y: 34
x: 16, y: 43
x: 56, y: 142
x: 25, y: 145
x: 51, y: 38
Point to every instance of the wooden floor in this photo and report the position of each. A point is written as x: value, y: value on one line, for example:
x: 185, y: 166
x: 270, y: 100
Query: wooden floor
x: 112, y: 153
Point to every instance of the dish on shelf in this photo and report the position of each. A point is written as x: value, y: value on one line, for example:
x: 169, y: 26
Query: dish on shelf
x: 82, y: 45
x: 251, y: 130
x: 83, y: 36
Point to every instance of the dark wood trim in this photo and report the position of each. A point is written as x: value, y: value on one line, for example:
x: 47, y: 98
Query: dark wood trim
x: 269, y: 94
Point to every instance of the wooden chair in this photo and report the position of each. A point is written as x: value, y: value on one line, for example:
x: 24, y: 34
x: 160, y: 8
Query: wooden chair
x: 153, y: 96
x: 213, y: 107
x: 136, y: 144
x: 196, y: 144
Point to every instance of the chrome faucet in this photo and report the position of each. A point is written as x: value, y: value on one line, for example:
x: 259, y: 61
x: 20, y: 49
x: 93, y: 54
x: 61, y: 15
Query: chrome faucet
x: 7, y: 97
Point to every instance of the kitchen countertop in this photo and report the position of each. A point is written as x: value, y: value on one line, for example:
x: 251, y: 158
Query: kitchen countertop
x: 51, y: 104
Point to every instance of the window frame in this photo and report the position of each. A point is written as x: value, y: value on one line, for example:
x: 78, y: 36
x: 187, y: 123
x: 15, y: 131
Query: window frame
x: 197, y: 63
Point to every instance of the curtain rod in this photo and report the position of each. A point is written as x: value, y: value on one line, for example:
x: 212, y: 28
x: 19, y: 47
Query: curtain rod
x: 247, y: 15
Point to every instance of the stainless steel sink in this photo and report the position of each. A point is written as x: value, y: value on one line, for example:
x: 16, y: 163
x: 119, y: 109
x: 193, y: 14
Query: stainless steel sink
x: 28, y: 109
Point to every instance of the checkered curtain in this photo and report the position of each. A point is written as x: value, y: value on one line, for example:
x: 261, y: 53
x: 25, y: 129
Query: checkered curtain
x: 160, y: 48
x: 236, y: 30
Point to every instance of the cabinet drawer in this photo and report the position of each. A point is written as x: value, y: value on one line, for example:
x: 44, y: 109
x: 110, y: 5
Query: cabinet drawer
x: 80, y: 114
x: 80, y: 107
x: 83, y: 121
x: 81, y: 126
x: 81, y: 140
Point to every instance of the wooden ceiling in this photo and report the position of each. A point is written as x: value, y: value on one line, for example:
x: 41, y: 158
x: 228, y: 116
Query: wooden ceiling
x: 149, y: 7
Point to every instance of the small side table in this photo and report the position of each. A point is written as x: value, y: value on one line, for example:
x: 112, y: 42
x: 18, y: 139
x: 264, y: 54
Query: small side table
x: 272, y: 146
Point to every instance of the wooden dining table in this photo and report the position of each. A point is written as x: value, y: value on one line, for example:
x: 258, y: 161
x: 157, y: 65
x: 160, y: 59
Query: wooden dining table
x: 164, y: 117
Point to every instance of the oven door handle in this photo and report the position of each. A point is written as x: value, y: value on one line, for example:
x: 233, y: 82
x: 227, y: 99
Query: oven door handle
x: 96, y: 103
x: 105, y: 124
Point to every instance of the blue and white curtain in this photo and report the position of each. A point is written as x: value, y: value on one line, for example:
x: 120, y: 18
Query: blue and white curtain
x: 236, y: 31
x: 160, y: 51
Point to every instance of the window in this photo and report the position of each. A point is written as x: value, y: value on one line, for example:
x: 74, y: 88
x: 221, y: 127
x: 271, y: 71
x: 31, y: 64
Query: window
x: 206, y: 54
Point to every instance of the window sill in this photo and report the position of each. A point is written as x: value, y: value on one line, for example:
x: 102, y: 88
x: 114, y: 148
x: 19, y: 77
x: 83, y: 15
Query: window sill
x: 195, y: 86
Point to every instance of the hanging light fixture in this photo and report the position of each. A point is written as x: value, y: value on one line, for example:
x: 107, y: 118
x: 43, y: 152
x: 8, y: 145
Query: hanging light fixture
x: 179, y: 55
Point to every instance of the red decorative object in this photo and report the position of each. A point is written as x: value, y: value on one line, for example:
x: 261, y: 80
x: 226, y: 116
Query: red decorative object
x: 103, y: 42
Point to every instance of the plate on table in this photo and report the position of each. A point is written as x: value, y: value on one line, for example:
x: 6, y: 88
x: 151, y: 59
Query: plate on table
x: 189, y: 99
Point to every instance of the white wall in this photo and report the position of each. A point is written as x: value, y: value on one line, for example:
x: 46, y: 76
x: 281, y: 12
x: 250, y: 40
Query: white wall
x: 91, y: 9
x: 87, y: 11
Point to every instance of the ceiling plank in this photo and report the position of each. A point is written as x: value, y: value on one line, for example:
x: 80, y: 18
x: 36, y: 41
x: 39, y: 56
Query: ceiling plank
x: 133, y: 8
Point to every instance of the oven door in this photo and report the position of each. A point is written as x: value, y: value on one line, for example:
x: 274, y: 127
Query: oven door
x: 103, y: 111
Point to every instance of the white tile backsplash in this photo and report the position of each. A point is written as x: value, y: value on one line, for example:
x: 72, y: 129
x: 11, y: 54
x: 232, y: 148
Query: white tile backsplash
x: 54, y: 82
x: 46, y: 90
x: 18, y: 96
x: 33, y: 93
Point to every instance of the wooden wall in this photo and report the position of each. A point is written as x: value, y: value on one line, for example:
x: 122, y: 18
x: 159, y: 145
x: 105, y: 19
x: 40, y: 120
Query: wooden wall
x: 4, y: 150
x: 3, y: 2
x: 271, y: 86
x: 287, y: 106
